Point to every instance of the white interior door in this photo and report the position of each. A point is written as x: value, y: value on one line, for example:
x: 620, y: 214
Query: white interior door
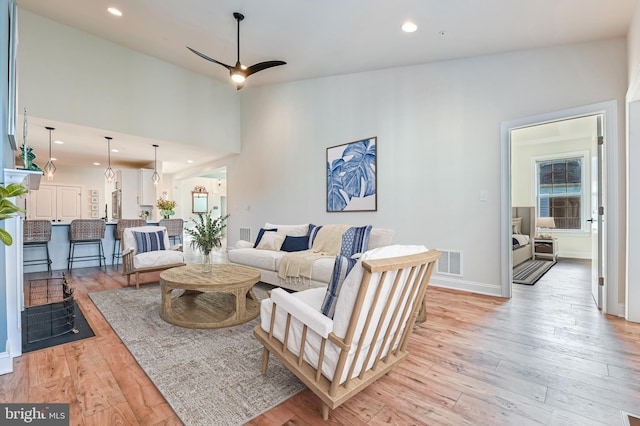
x: 597, y: 217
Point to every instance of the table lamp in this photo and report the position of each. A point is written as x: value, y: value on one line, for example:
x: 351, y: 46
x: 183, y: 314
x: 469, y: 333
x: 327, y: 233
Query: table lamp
x: 545, y: 223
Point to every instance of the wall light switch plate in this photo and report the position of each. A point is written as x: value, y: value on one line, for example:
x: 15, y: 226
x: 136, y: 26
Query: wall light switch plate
x: 483, y: 195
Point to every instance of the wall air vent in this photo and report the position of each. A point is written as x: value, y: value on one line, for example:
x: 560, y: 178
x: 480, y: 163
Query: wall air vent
x: 450, y: 263
x: 245, y: 234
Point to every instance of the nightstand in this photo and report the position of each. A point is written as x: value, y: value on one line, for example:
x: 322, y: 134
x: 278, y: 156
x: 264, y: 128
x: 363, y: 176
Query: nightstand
x: 545, y: 249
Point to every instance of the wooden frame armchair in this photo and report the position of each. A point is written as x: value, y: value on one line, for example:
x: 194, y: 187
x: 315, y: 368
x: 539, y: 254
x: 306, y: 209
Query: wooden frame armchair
x: 155, y: 256
x: 375, y: 312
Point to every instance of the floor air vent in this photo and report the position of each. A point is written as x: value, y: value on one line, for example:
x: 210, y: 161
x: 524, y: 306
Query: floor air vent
x: 450, y: 263
x: 245, y: 234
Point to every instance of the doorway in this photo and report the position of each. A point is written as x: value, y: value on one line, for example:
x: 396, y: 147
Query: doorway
x: 554, y: 173
x: 545, y: 130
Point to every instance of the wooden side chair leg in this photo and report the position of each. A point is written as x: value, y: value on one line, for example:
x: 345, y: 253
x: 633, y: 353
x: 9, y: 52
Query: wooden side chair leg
x: 325, y: 411
x: 265, y: 360
x: 137, y: 280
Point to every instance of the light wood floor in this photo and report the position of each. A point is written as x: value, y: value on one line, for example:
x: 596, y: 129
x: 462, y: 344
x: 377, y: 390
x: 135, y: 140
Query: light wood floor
x: 547, y: 356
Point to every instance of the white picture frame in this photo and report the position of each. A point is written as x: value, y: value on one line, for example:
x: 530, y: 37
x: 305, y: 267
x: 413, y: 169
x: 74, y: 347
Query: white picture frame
x: 94, y: 193
x: 94, y: 200
x: 94, y: 215
x: 94, y: 207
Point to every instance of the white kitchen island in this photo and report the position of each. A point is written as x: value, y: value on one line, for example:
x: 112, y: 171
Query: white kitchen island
x: 59, y: 249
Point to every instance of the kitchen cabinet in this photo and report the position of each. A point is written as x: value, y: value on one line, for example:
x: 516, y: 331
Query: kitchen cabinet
x: 146, y: 188
x: 58, y: 203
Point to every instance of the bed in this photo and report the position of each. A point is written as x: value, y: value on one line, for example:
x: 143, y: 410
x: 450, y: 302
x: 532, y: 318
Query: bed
x: 523, y: 230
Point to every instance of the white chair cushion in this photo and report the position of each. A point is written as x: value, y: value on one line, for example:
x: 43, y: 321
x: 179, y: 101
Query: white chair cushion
x: 312, y: 298
x: 351, y: 285
x: 157, y: 258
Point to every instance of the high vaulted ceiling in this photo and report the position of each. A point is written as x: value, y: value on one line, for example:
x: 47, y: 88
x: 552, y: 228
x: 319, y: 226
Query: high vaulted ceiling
x: 323, y: 38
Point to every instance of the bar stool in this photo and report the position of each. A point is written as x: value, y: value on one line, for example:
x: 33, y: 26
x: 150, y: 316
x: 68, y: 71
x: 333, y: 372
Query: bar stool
x: 117, y: 236
x: 37, y: 234
x: 86, y: 232
x: 174, y: 228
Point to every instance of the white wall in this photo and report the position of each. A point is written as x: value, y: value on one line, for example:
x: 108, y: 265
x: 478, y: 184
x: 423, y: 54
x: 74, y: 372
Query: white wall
x: 71, y: 76
x: 438, y: 129
x: 183, y: 188
x: 632, y: 274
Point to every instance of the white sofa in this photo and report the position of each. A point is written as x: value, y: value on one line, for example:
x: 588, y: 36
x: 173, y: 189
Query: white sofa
x: 268, y: 261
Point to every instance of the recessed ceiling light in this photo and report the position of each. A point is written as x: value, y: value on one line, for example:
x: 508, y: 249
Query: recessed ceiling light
x: 409, y: 27
x: 53, y: 159
x: 115, y: 150
x: 189, y: 161
x: 96, y: 164
x: 114, y: 11
x: 59, y: 142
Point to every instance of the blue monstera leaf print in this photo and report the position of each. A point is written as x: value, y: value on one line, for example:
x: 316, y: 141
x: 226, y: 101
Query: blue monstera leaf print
x: 336, y: 200
x: 359, y: 169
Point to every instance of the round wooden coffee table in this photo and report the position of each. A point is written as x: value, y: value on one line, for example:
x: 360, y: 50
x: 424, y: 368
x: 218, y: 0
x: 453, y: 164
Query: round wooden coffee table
x: 218, y: 299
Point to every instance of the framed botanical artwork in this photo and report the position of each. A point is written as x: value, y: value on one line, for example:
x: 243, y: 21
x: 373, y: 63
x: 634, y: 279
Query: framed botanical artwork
x: 94, y: 207
x: 352, y: 177
x: 94, y: 193
x: 94, y: 200
x: 94, y: 215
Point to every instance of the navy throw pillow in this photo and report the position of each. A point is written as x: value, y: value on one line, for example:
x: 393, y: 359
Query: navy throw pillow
x: 149, y: 241
x: 260, y: 234
x: 294, y: 243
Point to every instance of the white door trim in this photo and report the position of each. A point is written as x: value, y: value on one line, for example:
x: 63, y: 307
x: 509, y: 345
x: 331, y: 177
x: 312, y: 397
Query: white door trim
x: 612, y: 194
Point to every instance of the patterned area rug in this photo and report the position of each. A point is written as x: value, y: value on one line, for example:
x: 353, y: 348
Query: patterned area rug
x: 530, y: 271
x: 207, y: 376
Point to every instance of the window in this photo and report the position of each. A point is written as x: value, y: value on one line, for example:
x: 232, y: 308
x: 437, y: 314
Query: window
x: 560, y: 191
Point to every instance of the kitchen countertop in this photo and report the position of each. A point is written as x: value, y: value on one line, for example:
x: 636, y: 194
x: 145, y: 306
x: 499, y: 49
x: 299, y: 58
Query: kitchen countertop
x: 108, y: 223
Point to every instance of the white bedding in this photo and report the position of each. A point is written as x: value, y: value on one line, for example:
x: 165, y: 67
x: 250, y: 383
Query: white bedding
x: 522, y: 239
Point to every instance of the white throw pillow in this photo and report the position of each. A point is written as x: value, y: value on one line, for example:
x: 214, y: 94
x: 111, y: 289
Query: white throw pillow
x: 271, y: 240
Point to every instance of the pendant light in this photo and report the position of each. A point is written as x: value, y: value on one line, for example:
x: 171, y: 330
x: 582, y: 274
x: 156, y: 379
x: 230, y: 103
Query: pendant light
x: 155, y: 177
x: 109, y: 174
x: 50, y: 168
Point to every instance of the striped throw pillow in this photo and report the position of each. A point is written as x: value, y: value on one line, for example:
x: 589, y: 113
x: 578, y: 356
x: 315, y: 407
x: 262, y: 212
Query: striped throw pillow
x: 149, y: 241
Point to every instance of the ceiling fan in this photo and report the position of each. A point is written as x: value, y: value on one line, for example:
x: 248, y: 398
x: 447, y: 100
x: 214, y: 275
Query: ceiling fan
x: 239, y: 72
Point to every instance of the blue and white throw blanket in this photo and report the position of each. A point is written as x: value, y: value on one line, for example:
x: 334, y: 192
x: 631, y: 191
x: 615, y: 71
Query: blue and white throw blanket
x: 354, y: 241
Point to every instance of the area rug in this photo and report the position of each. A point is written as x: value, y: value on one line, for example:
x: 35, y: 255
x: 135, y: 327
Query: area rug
x: 207, y: 376
x: 530, y: 271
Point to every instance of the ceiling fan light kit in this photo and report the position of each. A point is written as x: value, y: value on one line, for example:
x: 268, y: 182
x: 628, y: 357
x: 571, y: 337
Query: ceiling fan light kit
x: 239, y: 72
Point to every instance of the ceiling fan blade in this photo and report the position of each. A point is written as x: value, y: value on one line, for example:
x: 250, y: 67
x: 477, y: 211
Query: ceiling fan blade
x: 262, y: 66
x: 203, y: 56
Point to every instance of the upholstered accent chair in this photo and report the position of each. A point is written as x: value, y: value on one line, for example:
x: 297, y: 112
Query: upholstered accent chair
x: 147, y: 249
x: 117, y: 236
x: 376, y: 310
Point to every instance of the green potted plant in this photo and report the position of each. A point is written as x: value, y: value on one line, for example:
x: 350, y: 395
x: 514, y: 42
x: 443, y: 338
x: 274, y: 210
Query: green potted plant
x: 7, y: 208
x: 207, y: 234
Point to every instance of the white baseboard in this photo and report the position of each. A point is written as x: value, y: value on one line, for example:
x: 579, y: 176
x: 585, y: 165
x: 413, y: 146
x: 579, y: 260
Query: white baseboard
x: 6, y: 363
x: 574, y: 255
x: 463, y: 285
